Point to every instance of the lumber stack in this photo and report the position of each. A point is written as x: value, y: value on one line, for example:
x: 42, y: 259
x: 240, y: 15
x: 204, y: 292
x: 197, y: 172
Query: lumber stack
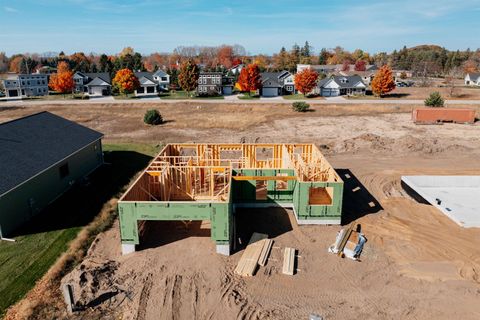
x: 249, y: 261
x: 265, y: 252
x: 289, y: 261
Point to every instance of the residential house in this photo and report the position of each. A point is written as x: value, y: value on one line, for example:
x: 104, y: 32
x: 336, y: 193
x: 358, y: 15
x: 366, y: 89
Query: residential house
x: 42, y: 156
x: 214, y: 83
x: 26, y: 85
x: 95, y: 84
x: 277, y: 83
x: 472, y: 79
x: 341, y: 85
x: 236, y: 69
x: 367, y: 76
x: 162, y: 78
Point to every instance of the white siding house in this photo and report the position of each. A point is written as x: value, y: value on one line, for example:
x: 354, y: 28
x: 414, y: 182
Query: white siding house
x: 472, y: 79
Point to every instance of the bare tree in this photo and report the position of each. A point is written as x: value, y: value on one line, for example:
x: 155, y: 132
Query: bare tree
x: 450, y: 81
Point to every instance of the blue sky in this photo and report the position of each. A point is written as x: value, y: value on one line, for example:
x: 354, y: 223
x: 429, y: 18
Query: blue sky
x: 260, y: 26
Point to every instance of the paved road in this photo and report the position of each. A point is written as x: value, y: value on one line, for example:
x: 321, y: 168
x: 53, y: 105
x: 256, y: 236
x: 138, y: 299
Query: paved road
x: 233, y: 100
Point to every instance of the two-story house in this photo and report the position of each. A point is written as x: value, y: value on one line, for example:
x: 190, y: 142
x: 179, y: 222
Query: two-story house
x: 151, y: 83
x: 95, y: 84
x: 277, y: 83
x: 26, y: 85
x: 210, y: 83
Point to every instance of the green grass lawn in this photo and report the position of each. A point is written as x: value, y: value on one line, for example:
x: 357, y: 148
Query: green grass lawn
x: 39, y: 243
x: 180, y: 95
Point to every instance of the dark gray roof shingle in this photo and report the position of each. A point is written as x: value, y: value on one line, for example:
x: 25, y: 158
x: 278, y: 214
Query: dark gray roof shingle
x: 34, y: 143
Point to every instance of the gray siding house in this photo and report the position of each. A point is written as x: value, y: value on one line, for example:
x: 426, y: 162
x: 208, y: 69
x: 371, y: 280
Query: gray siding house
x: 42, y: 156
x: 341, y: 85
x: 26, y: 85
x: 277, y: 83
x: 95, y: 84
x: 151, y: 83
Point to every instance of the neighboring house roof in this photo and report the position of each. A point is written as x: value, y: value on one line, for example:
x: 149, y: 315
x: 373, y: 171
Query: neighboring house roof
x: 160, y: 73
x: 147, y: 77
x: 351, y: 81
x: 90, y: 77
x: 34, y: 143
x: 97, y: 82
x: 367, y: 73
x: 274, y: 79
x: 474, y: 76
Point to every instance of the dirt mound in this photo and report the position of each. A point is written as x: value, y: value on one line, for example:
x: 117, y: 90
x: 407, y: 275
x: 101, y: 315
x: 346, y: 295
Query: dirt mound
x: 407, y: 143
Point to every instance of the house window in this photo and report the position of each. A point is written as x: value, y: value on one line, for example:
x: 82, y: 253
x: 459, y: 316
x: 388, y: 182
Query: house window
x: 164, y: 78
x: 64, y: 170
x: 322, y: 196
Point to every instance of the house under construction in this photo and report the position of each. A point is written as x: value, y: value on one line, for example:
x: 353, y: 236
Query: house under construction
x: 189, y: 182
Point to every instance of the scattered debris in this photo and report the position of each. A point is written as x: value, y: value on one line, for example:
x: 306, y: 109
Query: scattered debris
x: 349, y: 243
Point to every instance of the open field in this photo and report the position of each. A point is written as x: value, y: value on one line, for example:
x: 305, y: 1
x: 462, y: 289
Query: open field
x: 43, y: 240
x: 417, y: 264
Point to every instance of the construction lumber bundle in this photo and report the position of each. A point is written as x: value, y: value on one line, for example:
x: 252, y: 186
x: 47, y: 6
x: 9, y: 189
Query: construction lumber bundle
x: 289, y: 261
x: 267, y: 247
x: 249, y: 261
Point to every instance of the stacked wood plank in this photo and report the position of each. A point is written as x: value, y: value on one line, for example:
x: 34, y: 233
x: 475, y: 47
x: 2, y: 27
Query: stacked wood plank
x: 265, y: 252
x: 249, y: 261
x: 289, y: 261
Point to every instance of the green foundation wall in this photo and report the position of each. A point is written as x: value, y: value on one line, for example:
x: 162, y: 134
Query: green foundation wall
x: 130, y: 213
x: 317, y: 212
x: 245, y: 191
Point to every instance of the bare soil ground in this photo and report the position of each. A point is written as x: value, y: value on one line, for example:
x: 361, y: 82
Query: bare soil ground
x: 461, y: 92
x: 417, y: 264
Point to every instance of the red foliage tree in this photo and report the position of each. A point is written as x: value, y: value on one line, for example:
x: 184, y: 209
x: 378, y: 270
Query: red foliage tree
x: 306, y: 80
x: 126, y: 81
x: 62, y: 81
x: 249, y: 79
x: 225, y: 56
x: 360, y: 65
x: 383, y: 81
x: 346, y: 65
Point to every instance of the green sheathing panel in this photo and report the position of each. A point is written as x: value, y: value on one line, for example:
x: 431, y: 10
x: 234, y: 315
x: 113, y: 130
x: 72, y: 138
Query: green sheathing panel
x: 245, y: 191
x: 317, y: 212
x: 130, y: 213
x: 29, y: 198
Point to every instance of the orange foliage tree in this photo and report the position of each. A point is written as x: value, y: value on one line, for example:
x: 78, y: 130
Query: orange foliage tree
x: 62, y: 81
x: 383, y: 81
x: 306, y: 80
x: 126, y: 81
x: 249, y: 79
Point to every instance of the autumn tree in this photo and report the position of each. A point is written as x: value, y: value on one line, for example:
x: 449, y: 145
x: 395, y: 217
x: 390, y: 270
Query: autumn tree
x: 383, y: 81
x: 188, y: 76
x: 346, y: 65
x: 360, y: 65
x: 62, y: 80
x: 125, y: 81
x: 306, y: 80
x: 225, y: 56
x: 249, y: 79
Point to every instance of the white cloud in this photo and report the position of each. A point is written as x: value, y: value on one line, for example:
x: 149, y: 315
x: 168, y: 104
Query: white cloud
x: 10, y: 9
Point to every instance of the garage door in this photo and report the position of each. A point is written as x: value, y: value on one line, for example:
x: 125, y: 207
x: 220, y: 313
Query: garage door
x: 270, y: 92
x: 97, y: 91
x: 13, y: 93
x: 329, y: 92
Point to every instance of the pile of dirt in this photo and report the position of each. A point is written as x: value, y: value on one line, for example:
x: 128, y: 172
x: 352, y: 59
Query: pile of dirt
x: 407, y: 143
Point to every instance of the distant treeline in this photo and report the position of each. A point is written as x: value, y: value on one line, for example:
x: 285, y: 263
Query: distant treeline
x: 421, y: 60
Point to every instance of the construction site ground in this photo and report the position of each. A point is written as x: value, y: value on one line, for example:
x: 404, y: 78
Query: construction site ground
x: 417, y: 264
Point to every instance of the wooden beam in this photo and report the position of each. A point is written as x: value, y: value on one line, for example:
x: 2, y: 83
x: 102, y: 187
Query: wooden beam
x: 289, y: 261
x: 282, y: 178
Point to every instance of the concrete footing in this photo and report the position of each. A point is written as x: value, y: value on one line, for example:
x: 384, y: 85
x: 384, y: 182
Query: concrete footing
x: 128, y: 248
x: 223, y: 249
